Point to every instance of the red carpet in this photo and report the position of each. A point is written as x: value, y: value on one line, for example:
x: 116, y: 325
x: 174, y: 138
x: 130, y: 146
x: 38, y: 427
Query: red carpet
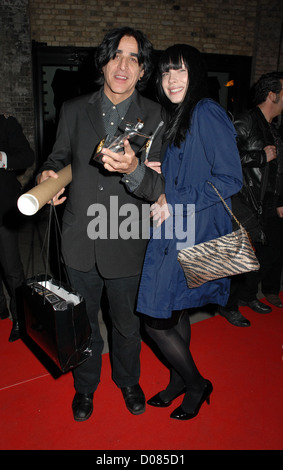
x: 246, y: 412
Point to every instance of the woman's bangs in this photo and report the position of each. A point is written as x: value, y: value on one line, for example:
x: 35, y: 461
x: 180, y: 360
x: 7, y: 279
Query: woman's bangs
x: 170, y: 62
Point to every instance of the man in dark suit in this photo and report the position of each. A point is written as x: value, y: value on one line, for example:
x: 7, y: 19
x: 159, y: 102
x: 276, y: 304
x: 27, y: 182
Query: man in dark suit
x: 102, y: 246
x: 15, y: 155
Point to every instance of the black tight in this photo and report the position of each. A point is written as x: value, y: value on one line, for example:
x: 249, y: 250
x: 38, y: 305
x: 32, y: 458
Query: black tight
x: 174, y: 344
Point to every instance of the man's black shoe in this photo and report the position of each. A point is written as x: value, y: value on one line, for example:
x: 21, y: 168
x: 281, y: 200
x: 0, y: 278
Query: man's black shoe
x: 82, y: 406
x: 256, y: 306
x: 233, y: 316
x: 134, y: 399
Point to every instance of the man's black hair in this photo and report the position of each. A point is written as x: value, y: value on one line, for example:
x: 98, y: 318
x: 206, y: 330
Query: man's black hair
x: 107, y: 50
x: 267, y: 82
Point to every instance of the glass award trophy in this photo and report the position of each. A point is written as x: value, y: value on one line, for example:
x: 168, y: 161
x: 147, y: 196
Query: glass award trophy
x: 116, y: 144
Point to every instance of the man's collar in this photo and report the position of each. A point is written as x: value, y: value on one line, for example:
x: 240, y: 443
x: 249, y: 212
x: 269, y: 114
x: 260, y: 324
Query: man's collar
x: 123, y: 105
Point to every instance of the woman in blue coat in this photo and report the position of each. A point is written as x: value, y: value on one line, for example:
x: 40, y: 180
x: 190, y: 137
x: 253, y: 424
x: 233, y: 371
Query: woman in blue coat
x: 201, y: 148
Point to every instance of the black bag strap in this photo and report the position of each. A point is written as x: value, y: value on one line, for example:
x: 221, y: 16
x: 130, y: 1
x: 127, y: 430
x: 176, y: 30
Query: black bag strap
x: 233, y: 215
x: 53, y: 215
x: 44, y: 241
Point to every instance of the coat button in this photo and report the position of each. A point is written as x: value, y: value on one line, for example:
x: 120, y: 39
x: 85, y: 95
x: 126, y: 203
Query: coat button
x: 100, y: 188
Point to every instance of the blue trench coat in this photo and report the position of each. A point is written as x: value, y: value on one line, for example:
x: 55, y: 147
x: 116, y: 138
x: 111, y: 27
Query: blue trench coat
x: 209, y: 153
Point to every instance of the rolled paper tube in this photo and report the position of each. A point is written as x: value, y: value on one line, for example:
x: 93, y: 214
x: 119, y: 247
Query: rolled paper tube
x: 33, y: 200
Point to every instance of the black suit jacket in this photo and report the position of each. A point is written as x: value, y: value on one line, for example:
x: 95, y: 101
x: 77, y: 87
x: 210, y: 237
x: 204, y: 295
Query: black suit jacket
x: 96, y: 196
x: 20, y: 156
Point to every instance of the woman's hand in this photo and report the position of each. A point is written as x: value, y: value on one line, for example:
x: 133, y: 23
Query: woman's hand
x: 160, y: 210
x: 156, y: 166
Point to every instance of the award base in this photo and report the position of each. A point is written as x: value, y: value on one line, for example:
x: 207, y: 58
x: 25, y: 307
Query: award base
x: 97, y: 155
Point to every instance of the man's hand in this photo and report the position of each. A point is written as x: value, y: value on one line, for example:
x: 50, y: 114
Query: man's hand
x: 280, y: 212
x: 270, y: 151
x: 51, y: 174
x: 121, y: 162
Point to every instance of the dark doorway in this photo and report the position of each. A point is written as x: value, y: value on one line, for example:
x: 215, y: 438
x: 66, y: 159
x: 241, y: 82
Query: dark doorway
x: 59, y: 74
x: 229, y: 80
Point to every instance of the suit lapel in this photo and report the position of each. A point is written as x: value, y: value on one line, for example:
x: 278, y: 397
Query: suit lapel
x: 94, y: 112
x: 135, y: 111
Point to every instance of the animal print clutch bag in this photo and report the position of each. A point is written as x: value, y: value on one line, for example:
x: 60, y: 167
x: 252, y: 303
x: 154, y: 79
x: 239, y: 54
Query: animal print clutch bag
x: 221, y: 257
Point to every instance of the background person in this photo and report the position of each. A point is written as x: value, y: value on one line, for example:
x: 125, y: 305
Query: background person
x: 256, y: 205
x: 15, y: 155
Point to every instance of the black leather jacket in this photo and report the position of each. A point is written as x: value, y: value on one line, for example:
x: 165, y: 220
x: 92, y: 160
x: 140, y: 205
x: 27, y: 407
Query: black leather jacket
x: 253, y: 134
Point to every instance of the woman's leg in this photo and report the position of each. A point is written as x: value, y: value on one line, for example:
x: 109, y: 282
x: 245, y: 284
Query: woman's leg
x: 174, y: 345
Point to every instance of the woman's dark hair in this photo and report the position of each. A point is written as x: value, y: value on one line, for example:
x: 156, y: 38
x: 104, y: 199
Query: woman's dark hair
x: 107, y: 50
x: 180, y: 114
x: 267, y: 82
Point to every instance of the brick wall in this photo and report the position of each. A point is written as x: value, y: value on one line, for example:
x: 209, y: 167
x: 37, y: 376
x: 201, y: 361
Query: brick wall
x: 239, y: 27
x: 252, y: 28
x: 268, y: 40
x: 214, y: 26
x: 15, y: 65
